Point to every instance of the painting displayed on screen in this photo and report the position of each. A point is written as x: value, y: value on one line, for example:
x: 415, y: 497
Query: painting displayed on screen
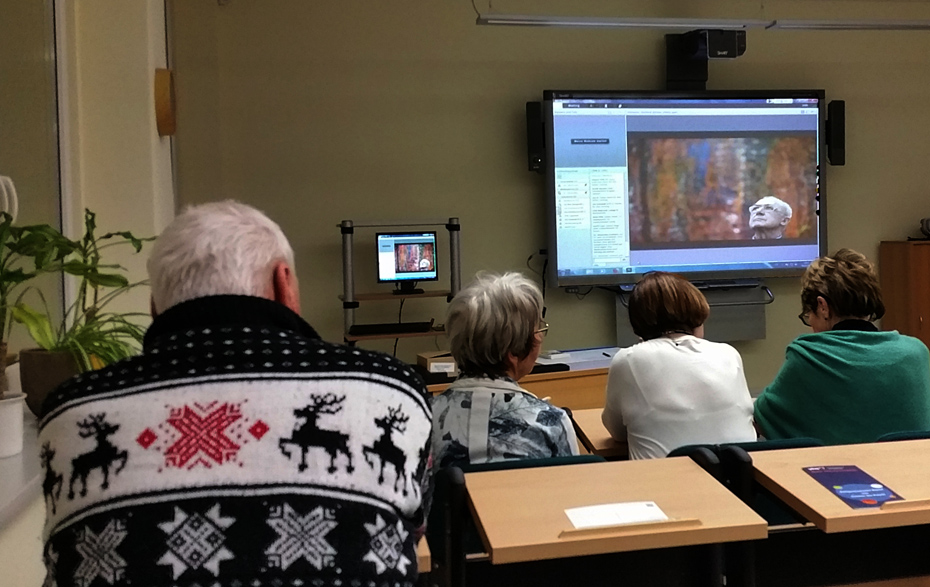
x: 413, y: 258
x: 407, y: 257
x: 712, y: 185
x: 706, y: 191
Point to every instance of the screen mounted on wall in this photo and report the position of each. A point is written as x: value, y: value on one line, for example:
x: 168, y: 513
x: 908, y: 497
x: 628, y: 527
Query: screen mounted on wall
x: 711, y: 185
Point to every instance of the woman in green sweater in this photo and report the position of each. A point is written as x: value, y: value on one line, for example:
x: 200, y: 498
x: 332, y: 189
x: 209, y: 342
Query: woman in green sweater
x: 846, y: 382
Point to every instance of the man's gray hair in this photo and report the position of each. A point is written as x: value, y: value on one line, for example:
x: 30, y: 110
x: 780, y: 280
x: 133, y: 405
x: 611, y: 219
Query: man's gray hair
x: 494, y: 315
x: 213, y: 249
x: 778, y: 204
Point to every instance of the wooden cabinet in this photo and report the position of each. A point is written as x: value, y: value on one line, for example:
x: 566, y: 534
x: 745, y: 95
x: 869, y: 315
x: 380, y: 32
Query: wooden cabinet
x: 904, y: 270
x: 576, y: 390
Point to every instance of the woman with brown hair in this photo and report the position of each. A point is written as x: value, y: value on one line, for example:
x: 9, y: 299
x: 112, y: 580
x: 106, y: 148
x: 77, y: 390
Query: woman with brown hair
x: 847, y: 381
x: 675, y: 388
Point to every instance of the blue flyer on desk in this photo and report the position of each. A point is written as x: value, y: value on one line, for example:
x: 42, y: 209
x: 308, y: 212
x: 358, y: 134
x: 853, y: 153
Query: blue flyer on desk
x: 854, y: 486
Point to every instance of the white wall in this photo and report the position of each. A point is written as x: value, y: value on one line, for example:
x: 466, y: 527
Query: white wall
x: 21, y: 548
x: 113, y: 163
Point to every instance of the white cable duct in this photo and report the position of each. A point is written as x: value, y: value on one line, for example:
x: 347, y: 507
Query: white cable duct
x: 699, y: 23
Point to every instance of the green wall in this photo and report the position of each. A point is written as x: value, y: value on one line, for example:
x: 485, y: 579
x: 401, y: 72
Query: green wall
x: 398, y: 111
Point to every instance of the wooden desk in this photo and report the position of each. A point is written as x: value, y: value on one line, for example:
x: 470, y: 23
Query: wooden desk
x: 520, y: 513
x: 424, y: 560
x: 576, y: 390
x: 594, y: 436
x: 902, y: 466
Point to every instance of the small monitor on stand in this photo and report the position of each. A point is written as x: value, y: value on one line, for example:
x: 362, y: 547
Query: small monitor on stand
x: 406, y: 258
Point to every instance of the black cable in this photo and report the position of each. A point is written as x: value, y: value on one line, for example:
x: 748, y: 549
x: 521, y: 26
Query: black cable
x: 530, y: 267
x: 544, y: 271
x: 581, y: 296
x: 400, y: 313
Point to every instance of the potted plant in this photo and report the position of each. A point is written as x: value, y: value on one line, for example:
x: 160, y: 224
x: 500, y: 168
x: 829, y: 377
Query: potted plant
x: 25, y: 252
x: 88, y: 336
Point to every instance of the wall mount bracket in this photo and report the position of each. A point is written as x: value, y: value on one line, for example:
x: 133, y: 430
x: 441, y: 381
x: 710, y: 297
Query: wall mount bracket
x: 687, y: 54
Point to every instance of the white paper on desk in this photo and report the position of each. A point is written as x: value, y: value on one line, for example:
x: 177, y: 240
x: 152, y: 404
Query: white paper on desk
x: 614, y: 514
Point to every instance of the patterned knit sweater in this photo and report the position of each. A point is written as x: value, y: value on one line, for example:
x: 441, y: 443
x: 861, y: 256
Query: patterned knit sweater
x: 238, y: 450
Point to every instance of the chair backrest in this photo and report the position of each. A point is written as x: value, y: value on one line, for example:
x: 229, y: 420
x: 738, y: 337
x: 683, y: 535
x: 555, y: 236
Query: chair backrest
x: 444, y: 532
x: 686, y: 450
x: 779, y: 444
x: 904, y: 435
x: 705, y: 455
x: 530, y: 463
x: 736, y: 464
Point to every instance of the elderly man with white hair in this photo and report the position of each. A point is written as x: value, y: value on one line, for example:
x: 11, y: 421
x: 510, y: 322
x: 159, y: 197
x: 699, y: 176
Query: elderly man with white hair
x: 768, y: 218
x: 239, y: 448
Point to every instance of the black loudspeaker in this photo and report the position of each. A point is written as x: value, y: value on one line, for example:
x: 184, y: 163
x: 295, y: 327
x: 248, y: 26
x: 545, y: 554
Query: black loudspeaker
x: 925, y: 227
x: 535, y: 138
x: 836, y: 132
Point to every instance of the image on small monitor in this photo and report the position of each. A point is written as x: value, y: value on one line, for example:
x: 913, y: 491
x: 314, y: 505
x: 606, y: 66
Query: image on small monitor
x: 407, y: 256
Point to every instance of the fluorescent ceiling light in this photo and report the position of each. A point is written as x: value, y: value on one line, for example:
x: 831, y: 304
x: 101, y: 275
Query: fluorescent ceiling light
x: 688, y: 24
x: 852, y: 25
x: 621, y: 23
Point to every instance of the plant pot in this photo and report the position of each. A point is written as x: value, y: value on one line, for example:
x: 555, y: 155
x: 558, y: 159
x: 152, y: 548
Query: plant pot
x: 42, y: 371
x: 11, y: 425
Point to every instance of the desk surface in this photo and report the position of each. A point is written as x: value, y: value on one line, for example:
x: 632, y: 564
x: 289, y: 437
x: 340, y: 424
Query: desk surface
x: 424, y: 560
x: 520, y: 513
x: 595, y: 437
x: 902, y: 466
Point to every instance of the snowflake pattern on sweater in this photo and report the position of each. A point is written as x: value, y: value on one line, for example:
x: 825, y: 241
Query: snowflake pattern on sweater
x: 239, y: 447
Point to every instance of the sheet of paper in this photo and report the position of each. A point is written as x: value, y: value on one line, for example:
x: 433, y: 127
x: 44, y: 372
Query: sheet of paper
x: 614, y: 514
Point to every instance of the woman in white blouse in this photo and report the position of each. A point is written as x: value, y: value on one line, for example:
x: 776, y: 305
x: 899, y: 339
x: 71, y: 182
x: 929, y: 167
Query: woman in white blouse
x: 675, y: 388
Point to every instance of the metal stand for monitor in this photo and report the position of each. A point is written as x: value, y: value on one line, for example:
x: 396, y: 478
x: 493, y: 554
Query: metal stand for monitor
x: 350, y: 299
x: 405, y: 288
x: 737, y: 310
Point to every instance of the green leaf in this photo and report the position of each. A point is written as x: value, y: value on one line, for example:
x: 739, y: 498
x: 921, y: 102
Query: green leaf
x: 135, y: 241
x: 76, y: 268
x: 106, y: 279
x: 6, y: 222
x: 14, y: 276
x: 38, y: 325
x: 90, y: 222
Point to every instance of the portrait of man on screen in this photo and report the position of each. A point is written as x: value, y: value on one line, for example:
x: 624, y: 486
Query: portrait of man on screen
x: 768, y: 218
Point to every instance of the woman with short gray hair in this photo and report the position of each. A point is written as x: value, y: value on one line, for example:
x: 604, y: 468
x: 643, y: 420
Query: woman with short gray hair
x: 496, y: 329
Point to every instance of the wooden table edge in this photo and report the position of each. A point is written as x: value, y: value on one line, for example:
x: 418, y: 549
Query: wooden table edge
x: 852, y: 523
x: 651, y: 540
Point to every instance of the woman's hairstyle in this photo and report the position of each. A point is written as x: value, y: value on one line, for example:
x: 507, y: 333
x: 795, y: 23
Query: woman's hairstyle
x: 847, y: 282
x: 213, y: 249
x: 491, y: 317
x: 664, y: 302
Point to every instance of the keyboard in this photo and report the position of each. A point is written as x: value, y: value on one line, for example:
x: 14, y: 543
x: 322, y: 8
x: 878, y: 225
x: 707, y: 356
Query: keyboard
x: 389, y: 328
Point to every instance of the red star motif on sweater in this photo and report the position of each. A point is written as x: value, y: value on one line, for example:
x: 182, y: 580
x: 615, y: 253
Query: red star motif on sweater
x: 203, y: 439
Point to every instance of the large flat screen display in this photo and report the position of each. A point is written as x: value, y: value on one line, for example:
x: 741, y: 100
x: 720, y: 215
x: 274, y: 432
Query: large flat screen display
x: 716, y: 185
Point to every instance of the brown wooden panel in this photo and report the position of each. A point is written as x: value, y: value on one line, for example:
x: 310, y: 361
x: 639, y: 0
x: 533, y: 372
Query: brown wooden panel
x: 904, y: 272
x: 576, y: 390
x: 920, y: 291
